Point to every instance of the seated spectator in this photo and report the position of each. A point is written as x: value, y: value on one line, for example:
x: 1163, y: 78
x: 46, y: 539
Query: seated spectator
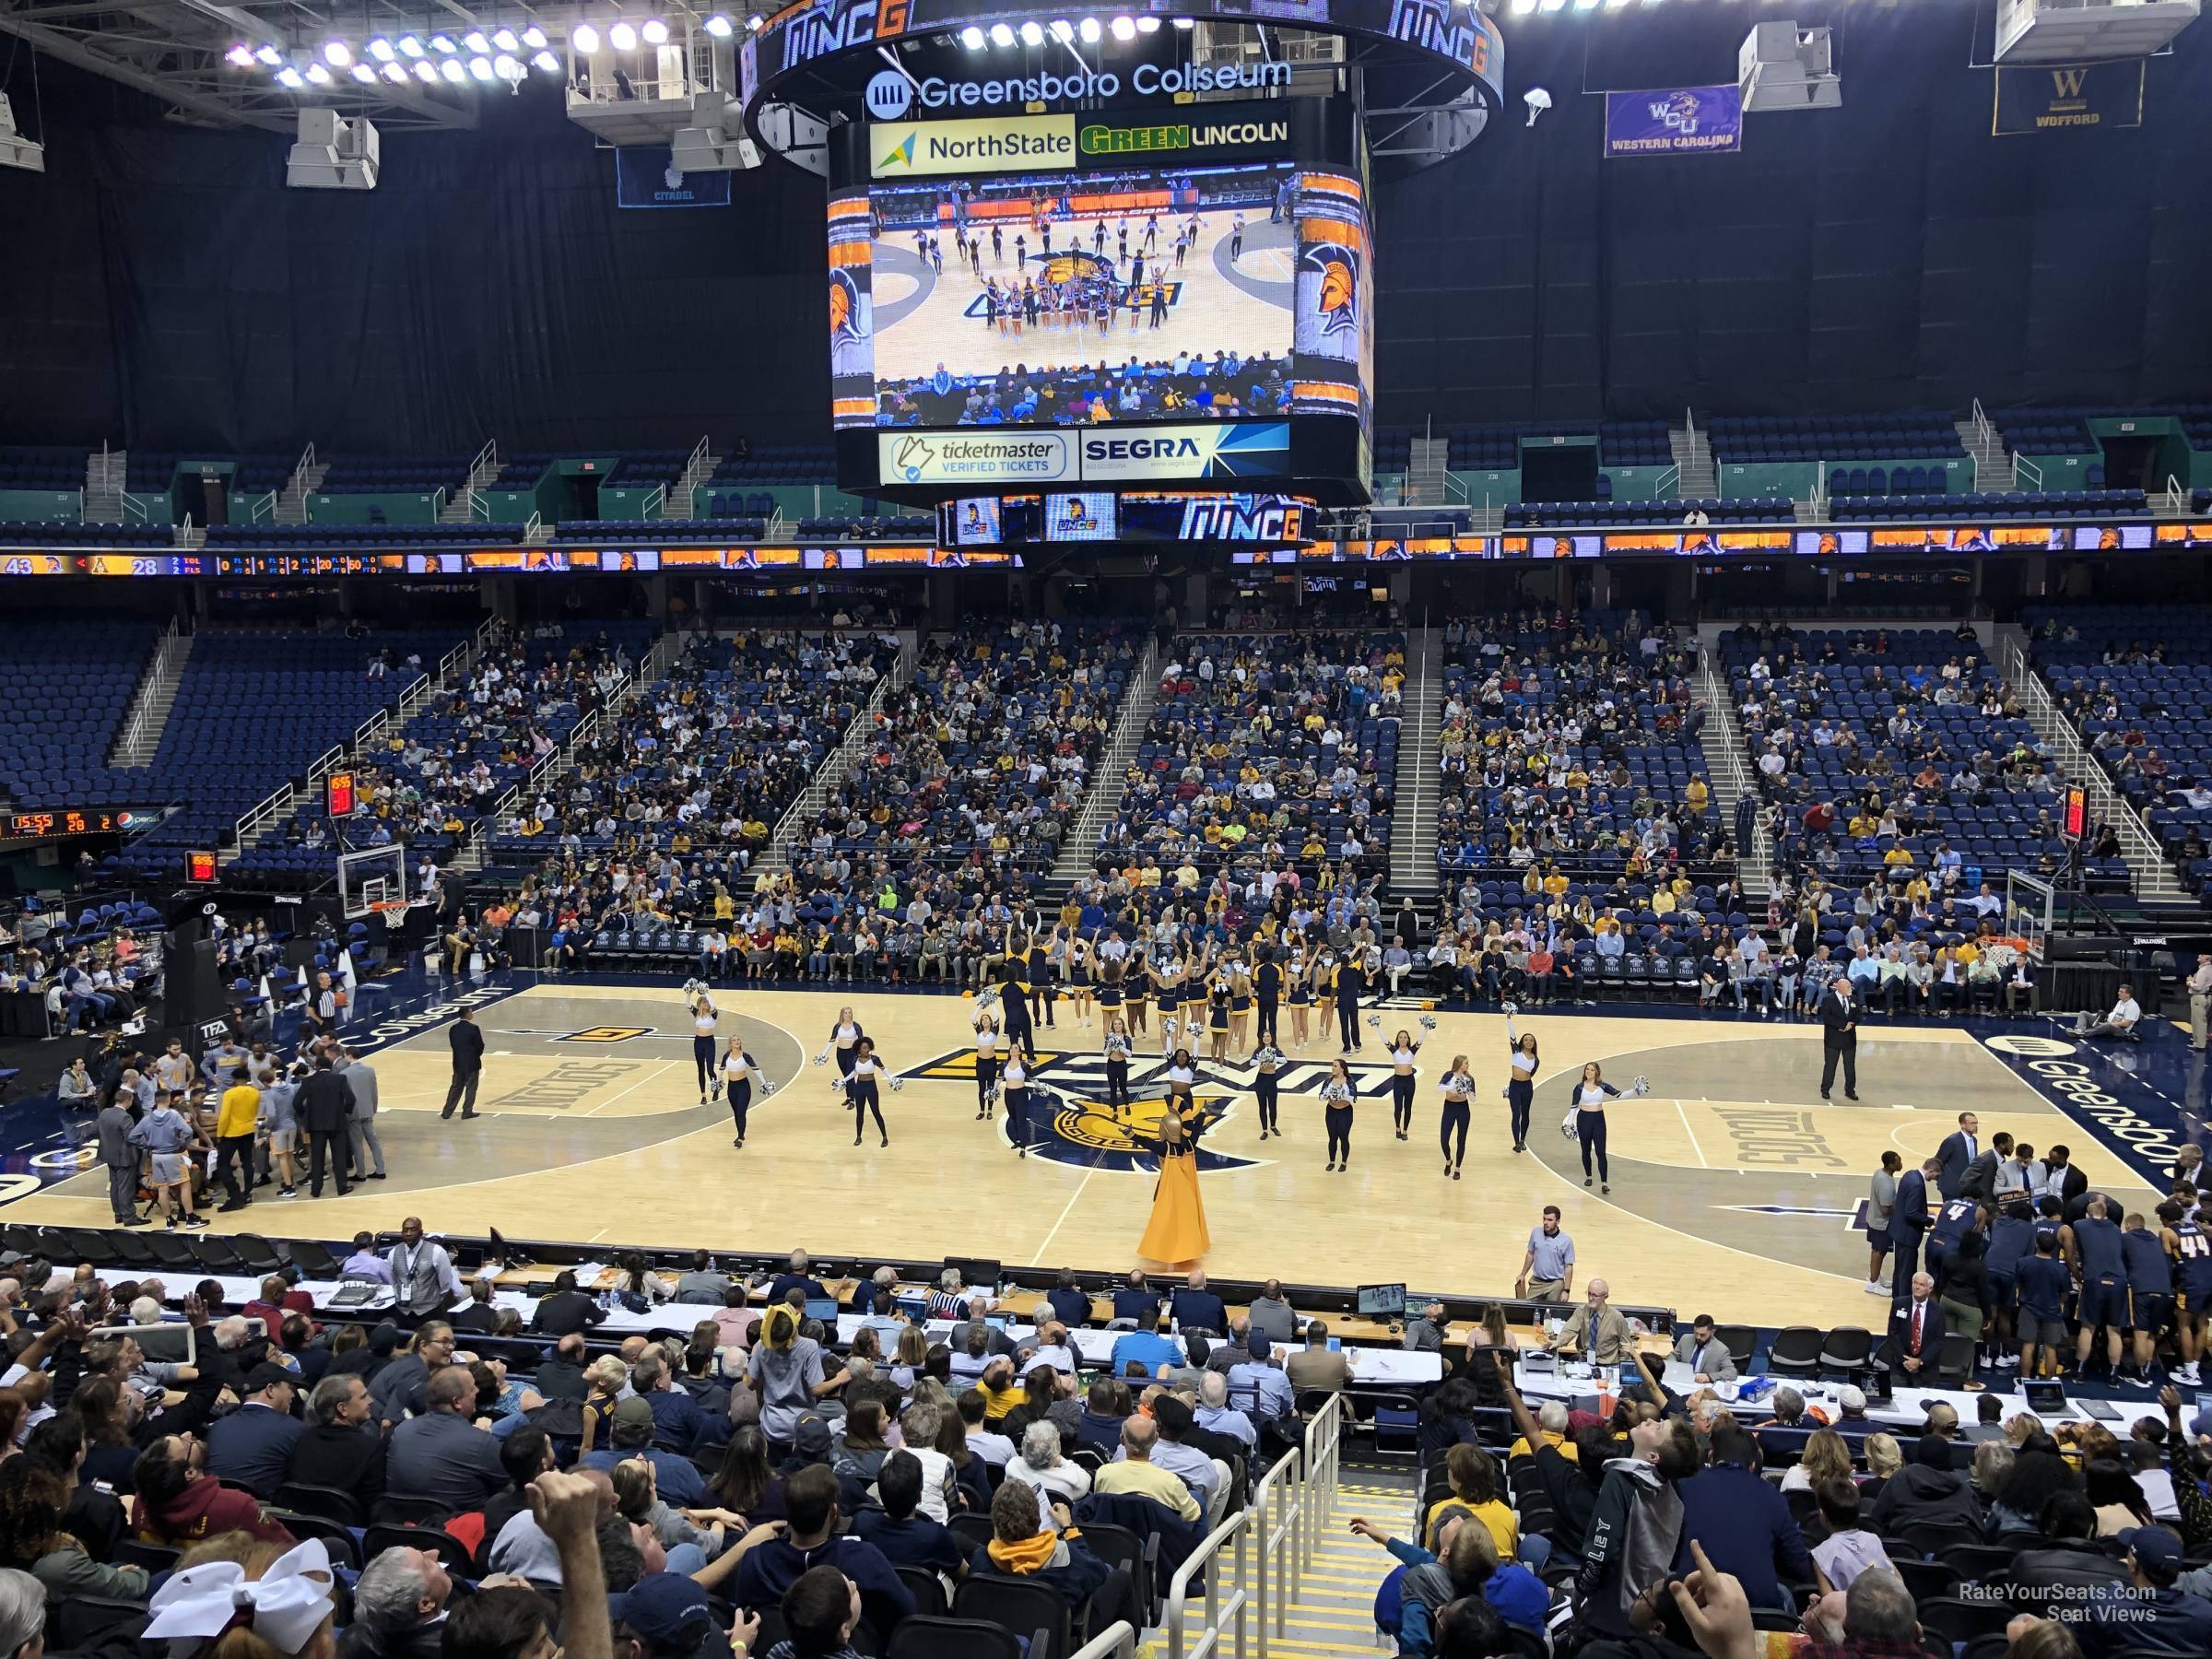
x: 906, y: 1536
x: 821, y: 1614
x: 1743, y: 1524
x: 1133, y: 1471
x: 1468, y: 1566
x: 33, y: 1498
x: 1849, y: 1549
x: 1477, y: 1490
x: 1926, y: 1493
x: 177, y: 1501
x: 1040, y: 1465
x: 1051, y: 1553
x: 399, y: 1608
x: 253, y: 1446
x: 815, y: 1538
x: 442, y: 1455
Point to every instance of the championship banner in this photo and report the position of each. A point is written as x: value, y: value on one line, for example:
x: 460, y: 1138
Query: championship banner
x: 2051, y: 98
x: 646, y: 176
x: 1684, y: 121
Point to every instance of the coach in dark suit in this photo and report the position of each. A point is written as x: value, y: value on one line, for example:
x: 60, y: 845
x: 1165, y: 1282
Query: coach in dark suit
x: 1838, y: 1040
x: 466, y: 1040
x: 1981, y: 1178
x: 2071, y: 1185
x: 1908, y: 1220
x: 325, y: 1107
x: 1916, y: 1331
x: 1959, y: 1148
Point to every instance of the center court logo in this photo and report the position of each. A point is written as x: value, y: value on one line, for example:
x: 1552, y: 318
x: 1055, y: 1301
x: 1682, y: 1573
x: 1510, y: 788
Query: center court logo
x: 1081, y: 1130
x: 2030, y: 1048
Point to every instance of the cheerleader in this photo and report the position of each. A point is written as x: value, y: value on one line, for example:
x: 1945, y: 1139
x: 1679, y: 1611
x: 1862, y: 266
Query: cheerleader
x: 1459, y: 1093
x: 1240, y: 1004
x: 705, y: 1022
x: 1137, y: 987
x: 845, y: 1036
x: 1021, y: 1031
x: 1110, y: 992
x: 1266, y: 1089
x: 986, y: 1064
x: 1298, y: 977
x: 1217, y: 1020
x: 1078, y: 979
x: 1520, y: 1086
x: 1168, y: 978
x: 1336, y: 1097
x: 1118, y: 1049
x: 1015, y: 1091
x: 861, y: 1090
x: 1402, y: 1048
x: 737, y: 1071
x: 1182, y: 1078
x: 1591, y: 1093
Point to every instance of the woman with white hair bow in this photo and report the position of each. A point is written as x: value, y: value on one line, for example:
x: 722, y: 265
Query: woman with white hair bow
x: 216, y: 1611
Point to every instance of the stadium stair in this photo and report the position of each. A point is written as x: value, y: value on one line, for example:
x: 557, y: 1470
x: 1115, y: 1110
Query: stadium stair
x: 104, y: 472
x: 1993, y: 465
x: 2154, y: 881
x: 1079, y: 852
x: 683, y: 496
x: 1428, y: 470
x: 1413, y: 852
x: 138, y: 738
x: 1333, y: 1613
x: 307, y: 477
x: 840, y: 760
x: 1693, y: 457
x: 1721, y: 737
x: 461, y: 506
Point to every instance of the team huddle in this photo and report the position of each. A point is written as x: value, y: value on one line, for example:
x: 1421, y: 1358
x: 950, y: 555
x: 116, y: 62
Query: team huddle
x: 2020, y: 1251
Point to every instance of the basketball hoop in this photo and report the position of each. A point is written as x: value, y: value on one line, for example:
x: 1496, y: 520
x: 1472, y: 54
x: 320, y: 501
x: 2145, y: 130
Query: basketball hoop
x: 388, y: 907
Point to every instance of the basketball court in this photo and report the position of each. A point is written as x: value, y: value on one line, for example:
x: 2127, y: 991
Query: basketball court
x: 1218, y: 301
x: 1735, y: 1190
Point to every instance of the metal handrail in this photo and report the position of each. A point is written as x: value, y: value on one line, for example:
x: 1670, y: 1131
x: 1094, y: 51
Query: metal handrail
x: 1277, y: 1512
x: 125, y: 747
x: 2022, y: 466
x: 1323, y: 1456
x: 1228, y: 1605
x: 2147, y: 858
x: 1140, y: 694
x: 1117, y: 1641
x: 836, y: 764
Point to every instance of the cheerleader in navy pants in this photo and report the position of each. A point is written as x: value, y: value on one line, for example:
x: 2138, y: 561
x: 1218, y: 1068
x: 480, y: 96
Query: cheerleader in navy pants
x: 861, y: 1090
x: 1402, y: 1048
x: 1521, y: 1084
x: 1459, y: 1094
x: 1266, y: 1089
x: 1591, y: 1093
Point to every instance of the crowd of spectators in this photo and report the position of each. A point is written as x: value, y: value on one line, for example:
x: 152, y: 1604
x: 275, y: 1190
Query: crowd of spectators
x: 1264, y: 753
x: 97, y: 973
x: 1185, y: 387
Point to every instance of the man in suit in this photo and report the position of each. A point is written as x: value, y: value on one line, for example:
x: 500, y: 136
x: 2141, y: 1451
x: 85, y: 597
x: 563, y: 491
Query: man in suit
x: 1959, y: 1148
x: 323, y: 1105
x: 465, y: 1038
x: 1196, y: 1307
x: 1981, y: 1178
x: 1916, y: 1331
x: 252, y: 1447
x: 1706, y: 1355
x: 1838, y: 1040
x: 1908, y: 1220
x: 1139, y: 1301
x: 2067, y: 1184
x: 567, y: 1311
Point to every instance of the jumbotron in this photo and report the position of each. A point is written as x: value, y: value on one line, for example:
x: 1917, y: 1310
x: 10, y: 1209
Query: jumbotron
x: 934, y: 92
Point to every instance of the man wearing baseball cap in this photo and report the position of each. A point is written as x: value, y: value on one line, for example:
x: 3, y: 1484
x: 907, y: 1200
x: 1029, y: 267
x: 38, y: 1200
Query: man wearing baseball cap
x: 2157, y: 1617
x: 667, y: 1616
x: 252, y: 1447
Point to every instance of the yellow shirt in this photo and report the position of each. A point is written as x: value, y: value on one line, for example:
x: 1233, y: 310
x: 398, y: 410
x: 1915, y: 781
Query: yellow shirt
x: 998, y: 1402
x: 241, y: 1108
x: 1148, y: 1480
x: 1495, y: 1515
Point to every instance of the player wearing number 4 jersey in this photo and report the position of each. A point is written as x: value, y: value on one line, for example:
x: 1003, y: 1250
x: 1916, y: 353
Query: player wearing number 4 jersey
x: 2192, y: 1250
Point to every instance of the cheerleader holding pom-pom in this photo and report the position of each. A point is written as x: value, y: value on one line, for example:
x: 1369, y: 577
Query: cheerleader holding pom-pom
x: 1521, y: 1081
x: 1402, y: 1048
x: 1459, y: 1095
x: 861, y: 1090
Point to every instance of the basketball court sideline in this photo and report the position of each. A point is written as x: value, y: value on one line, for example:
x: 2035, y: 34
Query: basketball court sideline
x: 1735, y: 1190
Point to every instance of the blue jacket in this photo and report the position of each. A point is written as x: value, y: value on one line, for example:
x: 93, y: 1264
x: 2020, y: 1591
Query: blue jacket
x: 1747, y: 1529
x: 253, y: 1446
x: 1202, y: 1309
x: 1514, y: 1593
x: 1150, y: 1348
x: 774, y: 1566
x: 677, y: 1416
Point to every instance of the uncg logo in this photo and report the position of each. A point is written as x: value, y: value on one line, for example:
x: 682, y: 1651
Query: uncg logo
x: 889, y: 95
x: 1071, y: 1124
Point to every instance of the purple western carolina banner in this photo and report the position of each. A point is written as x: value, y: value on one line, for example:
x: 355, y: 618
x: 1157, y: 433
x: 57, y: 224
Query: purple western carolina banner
x: 1685, y: 120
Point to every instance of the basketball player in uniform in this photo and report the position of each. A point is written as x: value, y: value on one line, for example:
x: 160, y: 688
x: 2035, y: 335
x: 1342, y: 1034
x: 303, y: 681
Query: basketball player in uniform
x: 2100, y: 1276
x: 2150, y: 1255
x: 2192, y: 1250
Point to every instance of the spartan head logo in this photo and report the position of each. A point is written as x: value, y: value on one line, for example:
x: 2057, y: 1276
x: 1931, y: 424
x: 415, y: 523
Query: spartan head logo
x: 844, y: 308
x: 1337, y: 301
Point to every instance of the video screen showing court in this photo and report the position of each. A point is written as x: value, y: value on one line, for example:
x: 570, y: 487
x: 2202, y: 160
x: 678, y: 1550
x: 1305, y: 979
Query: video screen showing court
x: 1071, y: 298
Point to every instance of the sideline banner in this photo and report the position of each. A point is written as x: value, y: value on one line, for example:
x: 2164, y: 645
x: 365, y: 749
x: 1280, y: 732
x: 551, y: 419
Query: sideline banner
x: 2056, y: 98
x: 1683, y: 121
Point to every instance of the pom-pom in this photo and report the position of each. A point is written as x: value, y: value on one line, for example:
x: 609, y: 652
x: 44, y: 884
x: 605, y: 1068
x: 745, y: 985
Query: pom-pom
x: 1566, y: 1125
x: 822, y: 1058
x: 1509, y: 1009
x: 1428, y: 1023
x: 1374, y: 1021
x: 1640, y: 1086
x: 897, y: 1084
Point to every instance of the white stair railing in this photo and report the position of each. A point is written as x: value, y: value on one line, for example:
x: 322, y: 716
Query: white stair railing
x: 1102, y: 789
x: 2154, y: 874
x: 1754, y: 863
x: 133, y: 746
x: 836, y: 764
